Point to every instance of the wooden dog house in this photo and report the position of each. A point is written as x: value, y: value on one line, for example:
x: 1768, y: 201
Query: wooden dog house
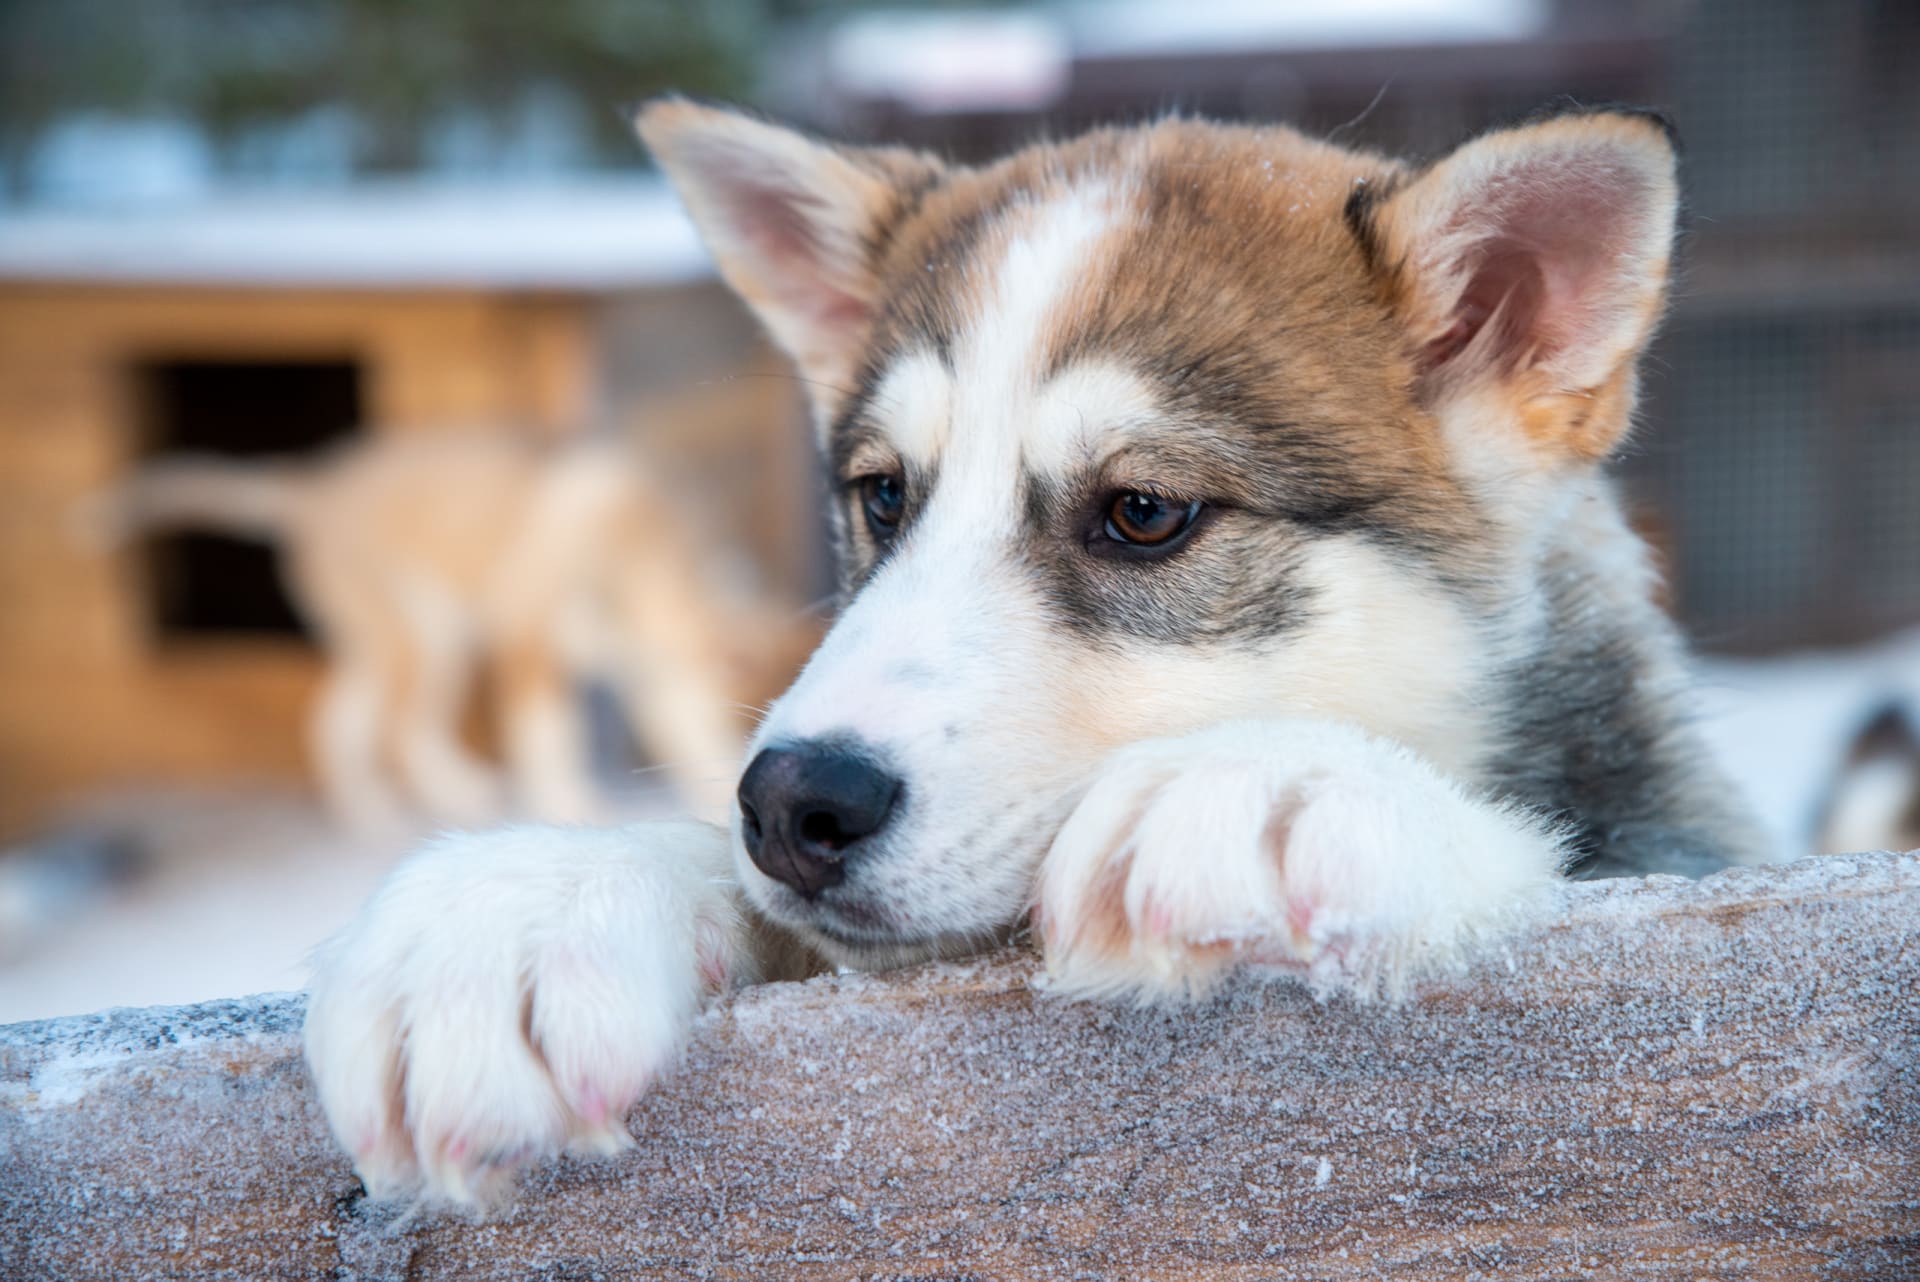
x: 268, y: 326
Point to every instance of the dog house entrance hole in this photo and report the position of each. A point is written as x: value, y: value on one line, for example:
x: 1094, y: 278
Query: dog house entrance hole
x: 206, y: 583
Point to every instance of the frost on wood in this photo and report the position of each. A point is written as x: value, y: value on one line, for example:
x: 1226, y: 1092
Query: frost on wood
x: 1668, y: 1080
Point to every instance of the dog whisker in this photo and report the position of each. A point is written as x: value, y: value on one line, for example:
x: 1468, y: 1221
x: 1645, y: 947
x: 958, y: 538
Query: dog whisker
x: 779, y: 377
x: 710, y: 769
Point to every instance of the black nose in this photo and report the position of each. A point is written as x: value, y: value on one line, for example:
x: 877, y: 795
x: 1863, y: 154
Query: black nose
x: 804, y: 809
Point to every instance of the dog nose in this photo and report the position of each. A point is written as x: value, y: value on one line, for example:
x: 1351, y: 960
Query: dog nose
x: 805, y: 808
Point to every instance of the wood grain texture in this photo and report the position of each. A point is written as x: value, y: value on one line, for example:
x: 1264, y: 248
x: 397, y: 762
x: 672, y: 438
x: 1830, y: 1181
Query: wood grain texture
x: 1667, y: 1080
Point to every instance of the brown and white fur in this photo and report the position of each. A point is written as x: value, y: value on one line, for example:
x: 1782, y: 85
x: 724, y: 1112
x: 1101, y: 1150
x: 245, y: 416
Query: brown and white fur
x: 1398, y: 675
x: 425, y: 560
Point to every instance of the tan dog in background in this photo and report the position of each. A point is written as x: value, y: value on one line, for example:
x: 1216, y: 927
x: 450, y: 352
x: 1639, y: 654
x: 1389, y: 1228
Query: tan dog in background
x: 426, y: 561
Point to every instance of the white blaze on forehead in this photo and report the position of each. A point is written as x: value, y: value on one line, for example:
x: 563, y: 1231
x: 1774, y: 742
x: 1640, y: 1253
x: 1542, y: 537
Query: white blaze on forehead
x: 1052, y: 248
x: 1001, y: 359
x: 990, y: 399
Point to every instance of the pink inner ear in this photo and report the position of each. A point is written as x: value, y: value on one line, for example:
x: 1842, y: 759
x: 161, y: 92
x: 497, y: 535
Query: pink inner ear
x: 1505, y: 289
x: 1547, y: 262
x: 783, y: 229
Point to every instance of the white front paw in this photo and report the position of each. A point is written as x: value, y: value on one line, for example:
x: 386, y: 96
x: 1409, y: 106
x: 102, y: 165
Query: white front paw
x: 1304, y: 844
x: 508, y: 994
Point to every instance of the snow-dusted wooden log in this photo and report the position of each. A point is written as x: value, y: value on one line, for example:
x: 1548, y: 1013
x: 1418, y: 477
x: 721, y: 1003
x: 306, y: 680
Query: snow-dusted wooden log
x: 1668, y: 1080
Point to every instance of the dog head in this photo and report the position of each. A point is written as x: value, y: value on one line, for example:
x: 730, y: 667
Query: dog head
x: 1147, y: 430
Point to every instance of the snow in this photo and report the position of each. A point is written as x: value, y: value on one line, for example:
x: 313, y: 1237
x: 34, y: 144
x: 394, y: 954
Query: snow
x: 951, y: 61
x: 588, y: 235
x: 1782, y: 726
x: 228, y: 892
x: 1118, y: 28
x: 1001, y: 60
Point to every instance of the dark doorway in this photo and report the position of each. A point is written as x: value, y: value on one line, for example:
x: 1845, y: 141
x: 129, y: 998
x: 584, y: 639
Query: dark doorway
x: 204, y: 583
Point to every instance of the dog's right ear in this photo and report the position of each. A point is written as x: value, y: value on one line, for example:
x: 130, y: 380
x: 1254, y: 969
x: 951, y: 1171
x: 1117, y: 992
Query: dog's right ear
x: 794, y: 224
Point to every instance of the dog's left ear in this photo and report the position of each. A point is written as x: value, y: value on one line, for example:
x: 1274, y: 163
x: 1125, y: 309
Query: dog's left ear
x: 1530, y: 265
x: 794, y: 224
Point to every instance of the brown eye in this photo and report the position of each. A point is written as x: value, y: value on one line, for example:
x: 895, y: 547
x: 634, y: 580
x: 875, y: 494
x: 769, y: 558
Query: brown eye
x: 1148, y: 520
x: 884, y: 498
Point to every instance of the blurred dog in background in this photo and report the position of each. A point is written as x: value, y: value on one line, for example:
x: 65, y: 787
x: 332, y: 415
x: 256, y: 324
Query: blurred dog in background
x: 432, y: 563
x: 1873, y: 802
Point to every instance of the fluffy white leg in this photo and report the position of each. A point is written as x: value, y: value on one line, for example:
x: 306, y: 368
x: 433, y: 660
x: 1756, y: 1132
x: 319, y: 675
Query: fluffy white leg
x: 346, y: 733
x: 685, y: 720
x: 510, y: 993
x: 1297, y: 843
x: 547, y: 744
x: 452, y: 783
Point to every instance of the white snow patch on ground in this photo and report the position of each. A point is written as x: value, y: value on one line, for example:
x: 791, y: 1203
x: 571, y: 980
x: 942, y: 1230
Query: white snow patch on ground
x: 589, y: 236
x: 231, y: 892
x: 1782, y: 726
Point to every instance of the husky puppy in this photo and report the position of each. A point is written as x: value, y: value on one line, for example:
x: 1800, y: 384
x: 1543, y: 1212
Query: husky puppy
x: 1229, y: 579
